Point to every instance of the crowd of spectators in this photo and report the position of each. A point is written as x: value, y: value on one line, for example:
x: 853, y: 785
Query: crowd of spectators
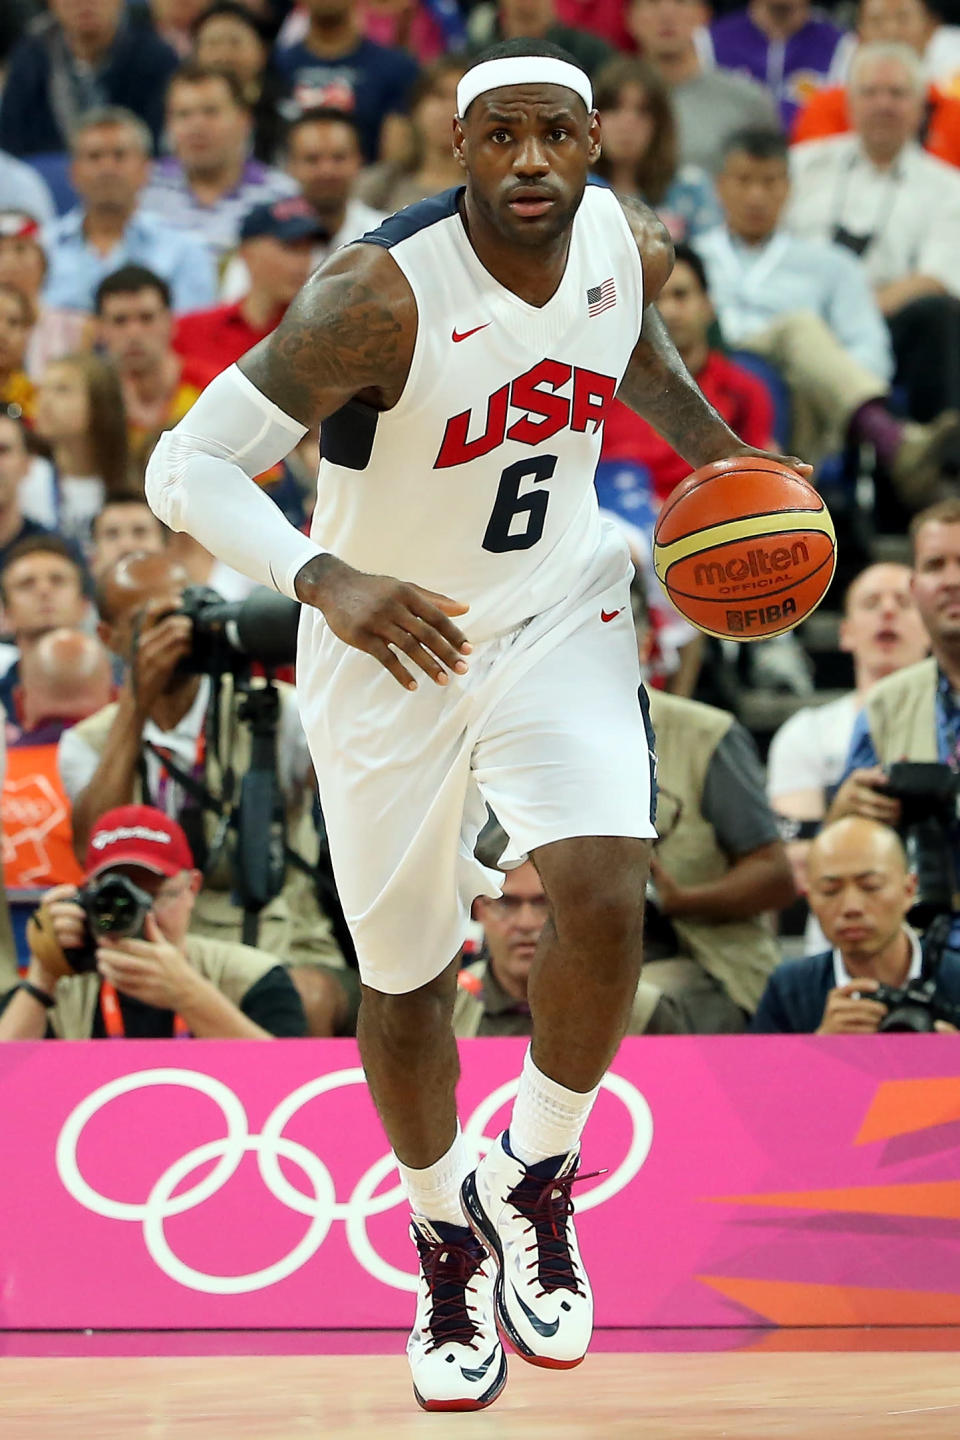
x: 170, y: 175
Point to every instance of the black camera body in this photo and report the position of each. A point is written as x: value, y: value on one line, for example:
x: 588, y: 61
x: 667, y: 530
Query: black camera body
x: 913, y: 1008
x: 229, y: 635
x: 928, y: 793
x: 112, y: 905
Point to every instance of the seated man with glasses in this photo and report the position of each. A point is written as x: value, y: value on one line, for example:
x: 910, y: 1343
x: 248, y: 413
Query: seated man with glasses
x: 123, y: 963
x: 492, y: 994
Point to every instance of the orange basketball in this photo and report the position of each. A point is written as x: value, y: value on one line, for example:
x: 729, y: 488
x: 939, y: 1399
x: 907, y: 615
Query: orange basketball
x: 745, y: 548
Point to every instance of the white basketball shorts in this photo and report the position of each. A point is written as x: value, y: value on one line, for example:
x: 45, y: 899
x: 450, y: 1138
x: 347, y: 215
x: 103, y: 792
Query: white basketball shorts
x: 549, y: 728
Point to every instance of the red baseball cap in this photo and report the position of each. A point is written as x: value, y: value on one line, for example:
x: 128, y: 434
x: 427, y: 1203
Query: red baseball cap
x: 138, y: 835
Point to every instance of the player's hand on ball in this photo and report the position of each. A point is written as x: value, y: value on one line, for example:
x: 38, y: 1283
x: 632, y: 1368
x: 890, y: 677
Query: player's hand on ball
x: 793, y: 461
x: 381, y: 615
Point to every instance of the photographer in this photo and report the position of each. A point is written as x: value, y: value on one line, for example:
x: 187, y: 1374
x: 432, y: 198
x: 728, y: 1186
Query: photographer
x: 156, y: 745
x: 914, y: 715
x: 151, y: 979
x: 860, y: 890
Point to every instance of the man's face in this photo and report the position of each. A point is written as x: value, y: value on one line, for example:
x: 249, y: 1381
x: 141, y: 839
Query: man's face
x: 752, y: 192
x: 135, y: 330
x: 122, y: 530
x: 325, y: 160
x: 109, y: 167
x: 936, y: 579
x: 22, y: 263
x: 278, y: 268
x: 225, y: 42
x: 882, y: 628
x: 14, y: 460
x: 14, y: 330
x: 512, y: 926
x: 41, y: 592
x: 885, y: 106
x: 207, y: 129
x: 664, y: 29
x: 527, y: 150
x: 859, y: 890
x: 87, y: 18
x: 686, y: 309
x: 894, y: 22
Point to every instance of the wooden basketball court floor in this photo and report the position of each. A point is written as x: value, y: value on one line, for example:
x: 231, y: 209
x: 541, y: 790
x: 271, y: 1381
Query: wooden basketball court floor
x: 814, y: 1385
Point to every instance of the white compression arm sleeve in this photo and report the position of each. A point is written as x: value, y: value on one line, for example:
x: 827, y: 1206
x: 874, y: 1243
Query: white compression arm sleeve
x: 200, y: 479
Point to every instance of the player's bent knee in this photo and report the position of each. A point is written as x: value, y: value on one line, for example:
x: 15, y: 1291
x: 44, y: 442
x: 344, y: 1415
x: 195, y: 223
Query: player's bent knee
x: 608, y: 916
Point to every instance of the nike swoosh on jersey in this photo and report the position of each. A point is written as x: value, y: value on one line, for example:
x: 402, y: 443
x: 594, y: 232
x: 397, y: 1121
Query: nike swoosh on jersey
x: 607, y: 615
x: 481, y: 1369
x: 465, y: 335
x: 542, y: 1327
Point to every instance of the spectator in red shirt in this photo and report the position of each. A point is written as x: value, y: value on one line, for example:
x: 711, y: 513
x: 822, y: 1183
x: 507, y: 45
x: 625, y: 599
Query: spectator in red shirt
x: 741, y: 398
x: 276, y: 243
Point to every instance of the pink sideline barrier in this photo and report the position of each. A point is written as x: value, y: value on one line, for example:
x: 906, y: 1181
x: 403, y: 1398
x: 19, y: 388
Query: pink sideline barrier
x: 235, y: 1185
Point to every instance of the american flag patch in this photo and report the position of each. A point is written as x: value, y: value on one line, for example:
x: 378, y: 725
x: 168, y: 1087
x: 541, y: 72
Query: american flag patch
x: 601, y: 297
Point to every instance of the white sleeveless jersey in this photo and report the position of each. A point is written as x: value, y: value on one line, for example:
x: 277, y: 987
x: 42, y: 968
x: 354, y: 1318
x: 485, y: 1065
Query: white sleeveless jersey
x: 479, y: 482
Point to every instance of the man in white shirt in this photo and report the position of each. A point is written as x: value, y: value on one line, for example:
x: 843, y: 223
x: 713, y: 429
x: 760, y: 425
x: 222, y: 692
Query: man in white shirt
x: 898, y: 207
x: 110, y: 166
x: 806, y: 306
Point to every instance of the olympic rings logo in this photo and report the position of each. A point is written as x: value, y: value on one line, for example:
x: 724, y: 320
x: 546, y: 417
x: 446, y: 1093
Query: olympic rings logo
x: 321, y: 1207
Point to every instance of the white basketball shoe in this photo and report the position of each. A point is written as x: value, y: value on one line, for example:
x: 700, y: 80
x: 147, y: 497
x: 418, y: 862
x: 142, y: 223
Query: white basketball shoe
x: 455, y: 1354
x: 525, y: 1216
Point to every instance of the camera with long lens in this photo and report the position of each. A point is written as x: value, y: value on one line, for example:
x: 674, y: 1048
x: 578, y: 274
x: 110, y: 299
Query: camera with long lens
x: 928, y: 793
x: 112, y: 905
x: 230, y: 635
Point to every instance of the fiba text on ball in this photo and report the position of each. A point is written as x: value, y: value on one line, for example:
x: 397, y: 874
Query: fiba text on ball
x: 739, y: 621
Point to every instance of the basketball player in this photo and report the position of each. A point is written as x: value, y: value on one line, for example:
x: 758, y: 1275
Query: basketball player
x: 461, y: 358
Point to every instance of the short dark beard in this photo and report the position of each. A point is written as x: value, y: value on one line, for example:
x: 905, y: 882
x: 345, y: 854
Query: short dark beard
x: 560, y: 222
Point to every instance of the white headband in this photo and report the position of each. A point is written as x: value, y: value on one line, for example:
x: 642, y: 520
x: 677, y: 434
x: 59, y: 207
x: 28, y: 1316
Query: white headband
x: 522, y: 70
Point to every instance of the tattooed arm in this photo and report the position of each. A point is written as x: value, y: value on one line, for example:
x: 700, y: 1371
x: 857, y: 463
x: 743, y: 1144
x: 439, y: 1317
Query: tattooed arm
x: 349, y: 334
x: 657, y: 384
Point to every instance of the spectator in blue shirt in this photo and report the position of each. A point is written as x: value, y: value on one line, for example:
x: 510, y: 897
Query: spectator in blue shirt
x: 335, y: 65
x: 861, y: 890
x: 111, y: 166
x: 79, y: 56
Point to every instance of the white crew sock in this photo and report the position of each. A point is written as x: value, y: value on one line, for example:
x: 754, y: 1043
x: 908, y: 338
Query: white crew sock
x: 434, y: 1192
x: 548, y: 1119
